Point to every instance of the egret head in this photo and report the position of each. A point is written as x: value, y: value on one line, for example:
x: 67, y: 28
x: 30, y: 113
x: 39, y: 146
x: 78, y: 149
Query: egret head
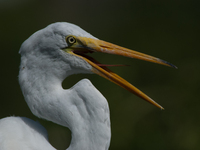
x: 46, y: 49
x: 63, y: 47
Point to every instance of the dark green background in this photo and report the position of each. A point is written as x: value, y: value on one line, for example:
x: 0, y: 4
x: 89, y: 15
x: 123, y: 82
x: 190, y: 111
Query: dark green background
x: 165, y: 29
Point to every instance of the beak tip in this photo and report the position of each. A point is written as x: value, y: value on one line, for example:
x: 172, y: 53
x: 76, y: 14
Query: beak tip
x: 168, y: 64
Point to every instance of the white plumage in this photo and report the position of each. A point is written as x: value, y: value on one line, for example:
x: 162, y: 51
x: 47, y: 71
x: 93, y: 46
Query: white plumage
x: 47, y: 58
x: 20, y: 133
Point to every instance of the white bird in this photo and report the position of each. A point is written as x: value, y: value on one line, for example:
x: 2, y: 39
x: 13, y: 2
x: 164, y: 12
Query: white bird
x: 56, y: 52
x: 20, y: 133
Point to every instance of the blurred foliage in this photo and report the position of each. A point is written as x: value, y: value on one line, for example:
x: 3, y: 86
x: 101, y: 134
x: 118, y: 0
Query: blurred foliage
x: 166, y: 29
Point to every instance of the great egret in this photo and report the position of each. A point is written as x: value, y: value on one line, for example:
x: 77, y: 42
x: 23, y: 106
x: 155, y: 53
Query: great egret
x: 57, y: 51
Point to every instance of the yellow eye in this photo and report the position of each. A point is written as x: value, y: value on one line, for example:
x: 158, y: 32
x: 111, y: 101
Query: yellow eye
x: 71, y: 40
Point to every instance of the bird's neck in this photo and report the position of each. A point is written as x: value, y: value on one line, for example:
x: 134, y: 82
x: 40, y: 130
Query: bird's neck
x: 82, y: 108
x: 91, y: 136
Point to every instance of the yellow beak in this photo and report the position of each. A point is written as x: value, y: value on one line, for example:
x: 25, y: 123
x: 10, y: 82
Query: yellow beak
x: 84, y: 45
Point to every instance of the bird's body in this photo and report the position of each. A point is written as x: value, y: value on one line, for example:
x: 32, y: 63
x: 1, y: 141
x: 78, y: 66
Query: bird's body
x: 20, y: 133
x: 87, y: 118
x: 52, y: 54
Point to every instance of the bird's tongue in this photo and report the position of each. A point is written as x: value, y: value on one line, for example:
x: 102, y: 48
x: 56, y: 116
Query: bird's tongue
x: 81, y: 53
x: 118, y: 65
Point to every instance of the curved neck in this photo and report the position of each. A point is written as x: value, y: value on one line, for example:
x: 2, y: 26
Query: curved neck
x: 82, y: 109
x: 95, y: 136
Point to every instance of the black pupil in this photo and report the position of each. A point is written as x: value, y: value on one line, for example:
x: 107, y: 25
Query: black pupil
x: 71, y: 40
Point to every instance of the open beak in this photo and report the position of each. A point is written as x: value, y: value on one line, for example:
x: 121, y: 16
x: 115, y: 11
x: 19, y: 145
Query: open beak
x: 85, y: 45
